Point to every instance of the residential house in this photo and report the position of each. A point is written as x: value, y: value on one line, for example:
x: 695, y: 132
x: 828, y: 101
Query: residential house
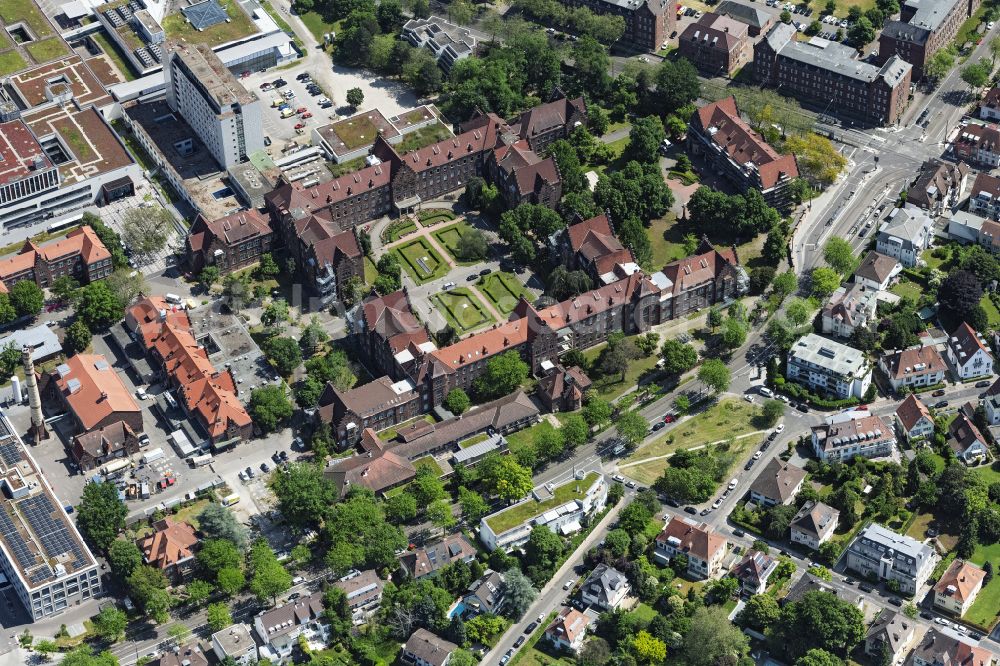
x: 810, y: 583
x: 591, y: 246
x: 279, y: 628
x: 850, y: 307
x: 914, y: 419
x: 80, y: 255
x: 170, y: 548
x: 563, y: 509
x: 892, y: 632
x: 363, y: 590
x: 988, y: 236
x: 719, y: 133
x: 989, y: 105
x: 938, y: 186
x: 423, y: 648
x: 754, y: 570
x: 486, y: 594
x: 958, y: 587
x: 378, y: 468
x: 878, y: 551
x: 905, y: 235
x: 913, y: 368
x: 979, y: 145
x: 236, y: 643
x: 828, y: 367
x: 188, y: 655
x: 427, y: 560
x: 758, y: 20
x: 814, y: 524
x: 377, y: 405
x: 91, y: 391
x: 968, y: 353
x: 228, y: 243
x: 716, y: 44
x: 562, y: 389
x: 938, y: 649
x: 707, y: 278
x: 778, y: 483
x: 567, y: 631
x: 964, y: 437
x: 605, y: 589
x: 991, y: 403
x: 984, y: 198
x: 97, y: 447
x: 703, y: 547
x: 877, y: 271
x: 855, y: 432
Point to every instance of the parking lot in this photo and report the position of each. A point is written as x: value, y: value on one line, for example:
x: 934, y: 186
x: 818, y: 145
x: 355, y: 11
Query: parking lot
x: 296, y: 95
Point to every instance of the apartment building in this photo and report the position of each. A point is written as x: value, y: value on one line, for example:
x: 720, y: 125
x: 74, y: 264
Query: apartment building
x: 924, y: 26
x: 591, y: 246
x: 828, y: 367
x: 704, y: 548
x: 228, y: 243
x: 363, y: 590
x: 814, y: 524
x: 718, y: 132
x: 851, y: 433
x: 280, y: 627
x: 989, y: 106
x: 709, y: 277
x: 938, y: 649
x: 849, y: 308
x: 881, y: 552
x: 379, y: 405
x: 979, y: 145
x: 907, y: 233
x: 80, y: 255
x: 447, y: 42
x: 647, y: 22
x: 827, y: 76
x: 717, y: 45
x: 914, y: 368
x: 958, y: 587
x: 226, y: 116
x: 939, y: 186
x: 968, y: 353
x: 984, y: 198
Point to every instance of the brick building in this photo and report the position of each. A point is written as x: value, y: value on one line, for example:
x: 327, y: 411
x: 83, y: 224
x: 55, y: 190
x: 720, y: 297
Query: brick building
x: 647, y: 22
x: 924, y: 26
x: 700, y: 281
x: 97, y: 447
x: 717, y: 45
x: 80, y: 255
x: 380, y: 404
x: 91, y: 391
x: 826, y: 76
x: 228, y: 243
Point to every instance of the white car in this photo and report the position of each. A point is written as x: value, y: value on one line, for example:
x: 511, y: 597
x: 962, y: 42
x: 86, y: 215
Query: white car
x: 780, y: 429
x: 989, y: 26
x: 716, y: 504
x: 844, y: 23
x: 757, y: 455
x: 766, y: 392
x: 568, y: 584
x: 449, y: 285
x: 618, y: 477
x: 748, y: 397
x: 940, y: 621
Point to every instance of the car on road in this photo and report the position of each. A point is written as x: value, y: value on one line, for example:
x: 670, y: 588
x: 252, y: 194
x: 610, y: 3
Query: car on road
x: 926, y: 615
x: 940, y: 620
x: 504, y: 659
x: 141, y: 393
x: 866, y: 587
x: 301, y: 109
x: 717, y: 503
x: 733, y: 483
x: 472, y: 278
x: 519, y: 642
x: 630, y: 483
x: 938, y: 393
x: 895, y: 601
x: 780, y: 429
x: 766, y: 392
x: 802, y: 407
x: 619, y: 478
x: 669, y: 418
x: 659, y: 426
x: 739, y: 533
x: 849, y: 581
x: 485, y: 272
x: 748, y: 397
x: 569, y: 583
x: 264, y: 468
x: 783, y: 398
x: 530, y: 628
x: 449, y: 285
x: 690, y: 509
x: 976, y: 636
x: 670, y: 501
x: 984, y: 384
x: 940, y: 404
x: 990, y: 25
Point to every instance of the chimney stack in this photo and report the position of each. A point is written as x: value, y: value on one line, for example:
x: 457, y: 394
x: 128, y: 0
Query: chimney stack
x: 38, y: 430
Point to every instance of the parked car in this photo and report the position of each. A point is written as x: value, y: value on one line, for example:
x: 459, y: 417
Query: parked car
x: 739, y: 533
x: 569, y: 583
x: 690, y: 509
x: 802, y: 407
x: 250, y: 472
x: 659, y: 426
x: 264, y: 468
x: 940, y: 404
x: 749, y: 464
x: 669, y: 418
x: 618, y: 477
x: 866, y: 587
x: 519, y: 642
x: 530, y: 628
x: 717, y: 503
x: 926, y: 615
x: 941, y: 392
x: 307, y: 115
x: 984, y: 384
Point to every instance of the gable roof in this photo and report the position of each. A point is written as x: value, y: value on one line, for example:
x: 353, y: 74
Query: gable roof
x: 744, y: 13
x: 378, y: 469
x: 891, y: 628
x: 233, y: 228
x: 546, y: 117
x: 965, y: 342
x: 939, y: 648
x: 916, y: 360
x: 716, y: 31
x: 960, y: 580
x: 486, y: 593
x: 93, y: 389
x: 778, y: 480
x: 936, y: 179
x: 554, y: 384
x: 283, y: 619
x: 427, y: 560
x: 910, y: 411
x: 170, y: 543
x: 698, y: 539
x: 877, y: 267
x: 605, y: 583
x: 962, y: 431
x: 698, y: 269
x: 814, y: 518
x: 102, y: 442
x: 429, y: 648
x: 569, y: 625
x: 82, y: 241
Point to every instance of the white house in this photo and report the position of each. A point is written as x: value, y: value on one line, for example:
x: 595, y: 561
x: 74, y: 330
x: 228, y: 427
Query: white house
x: 881, y: 552
x: 985, y: 197
x: 877, y: 271
x: 850, y: 307
x: 814, y: 524
x: 856, y: 432
x: 968, y: 354
x: 568, y: 630
x: 914, y: 419
x: 605, y: 588
x: 279, y: 628
x: 913, y: 368
x: 892, y: 631
x: 958, y: 587
x: 965, y: 439
x: 363, y: 590
x: 828, y: 367
x: 236, y: 642
x: 778, y: 483
x: 906, y: 235
x: 754, y: 570
x: 703, y: 547
x: 423, y: 648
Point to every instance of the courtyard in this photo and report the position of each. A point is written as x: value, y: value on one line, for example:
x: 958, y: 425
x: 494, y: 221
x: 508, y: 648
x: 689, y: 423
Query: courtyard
x: 421, y: 261
x: 503, y: 290
x: 450, y: 236
x: 462, y: 310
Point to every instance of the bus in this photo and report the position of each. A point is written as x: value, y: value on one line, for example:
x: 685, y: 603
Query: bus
x: 116, y: 466
x: 230, y: 500
x: 198, y: 461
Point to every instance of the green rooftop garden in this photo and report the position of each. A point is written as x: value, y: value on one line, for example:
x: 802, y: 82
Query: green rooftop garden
x: 520, y: 513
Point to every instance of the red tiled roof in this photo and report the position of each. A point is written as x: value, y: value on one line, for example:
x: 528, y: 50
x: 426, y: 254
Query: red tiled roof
x: 904, y: 363
x: 169, y: 544
x: 699, y: 539
x: 82, y: 241
x: 93, y: 389
x: 910, y: 412
x: 695, y: 270
x: 963, y: 576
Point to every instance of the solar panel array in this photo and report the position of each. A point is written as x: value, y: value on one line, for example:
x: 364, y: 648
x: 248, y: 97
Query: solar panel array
x: 10, y: 453
x: 54, y: 535
x: 205, y: 14
x: 15, y: 543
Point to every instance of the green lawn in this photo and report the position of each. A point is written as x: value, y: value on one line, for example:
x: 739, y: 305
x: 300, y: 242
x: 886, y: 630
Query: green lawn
x: 519, y: 513
x: 968, y: 30
x: 472, y: 441
x: 529, y: 655
x: 11, y: 62
x: 356, y: 132
x: 317, y: 26
x: 115, y: 55
x: 907, y: 289
x: 504, y: 291
x: 989, y: 473
x: 643, y: 614
x: 526, y: 437
x: 47, y: 50
x: 16, y: 11
x: 984, y: 611
x: 420, y: 260
x: 723, y: 420
x: 432, y: 216
x: 665, y: 240
x: 370, y: 271
x: 450, y: 236
x: 424, y: 136
x: 918, y: 528
x: 462, y: 310
x: 992, y: 314
x: 612, y: 387
x: 390, y: 434
x: 398, y: 229
x: 429, y: 463
x: 238, y: 26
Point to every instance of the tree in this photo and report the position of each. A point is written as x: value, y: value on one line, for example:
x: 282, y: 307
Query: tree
x: 543, y: 549
x: 818, y: 657
x: 818, y: 159
x: 785, y: 16
x: 715, y: 375
x: 595, y: 652
x: 734, y: 333
x: 457, y: 401
x: 269, y: 578
x: 100, y: 515
x: 977, y: 74
x: 648, y: 649
x: 98, y: 307
x: 819, y: 620
x: 683, y: 404
x: 824, y: 281
x: 77, y: 338
x: 503, y: 375
x: 941, y: 62
x: 313, y: 335
x: 124, y: 557
x: 677, y: 85
x: 678, y: 357
x: 472, y: 246
x: 960, y: 293
x: 208, y: 276
x: 110, y: 623
x: 270, y: 407
x: 645, y: 138
x: 771, y: 412
x: 549, y: 443
x: 218, y: 616
x: 218, y: 554
x: 401, y: 508
x: 505, y: 477
x: 592, y: 66
x: 275, y: 313
x: 862, y: 32
x: 760, y: 612
x: 27, y: 298
x: 632, y: 427
x: 575, y: 431
x: 231, y: 580
x: 84, y: 656
x: 712, y: 640
x: 520, y: 593
x: 146, y: 230
x: 568, y: 161
x: 64, y: 287
x: 148, y: 588
x: 304, y: 494
x: 596, y: 411
x: 198, y: 591
x: 217, y: 522
x: 840, y: 255
x: 779, y: 519
x: 283, y: 353
x: 473, y: 505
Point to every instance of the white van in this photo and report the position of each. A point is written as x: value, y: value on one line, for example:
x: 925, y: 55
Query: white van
x: 766, y: 392
x: 172, y: 298
x: 733, y: 484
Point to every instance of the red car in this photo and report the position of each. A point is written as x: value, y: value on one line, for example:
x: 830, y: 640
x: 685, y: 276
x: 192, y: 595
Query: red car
x: 302, y: 109
x: 669, y: 418
x: 306, y: 115
x: 299, y: 125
